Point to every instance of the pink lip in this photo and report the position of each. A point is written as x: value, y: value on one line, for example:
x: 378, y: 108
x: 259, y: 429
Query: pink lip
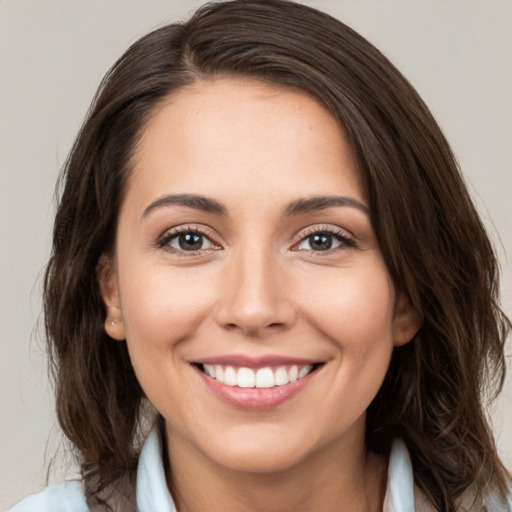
x: 240, y: 360
x: 255, y: 398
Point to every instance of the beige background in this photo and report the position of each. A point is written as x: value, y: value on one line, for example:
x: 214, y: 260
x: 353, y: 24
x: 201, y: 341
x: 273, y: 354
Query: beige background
x: 53, y: 53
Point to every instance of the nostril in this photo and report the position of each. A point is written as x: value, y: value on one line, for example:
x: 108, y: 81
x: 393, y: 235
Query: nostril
x: 256, y: 329
x: 250, y: 318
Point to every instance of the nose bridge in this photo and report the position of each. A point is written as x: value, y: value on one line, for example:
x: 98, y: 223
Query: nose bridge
x: 253, y: 299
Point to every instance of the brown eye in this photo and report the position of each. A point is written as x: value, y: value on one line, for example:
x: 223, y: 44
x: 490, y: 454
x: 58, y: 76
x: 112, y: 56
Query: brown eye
x: 320, y: 242
x: 188, y: 241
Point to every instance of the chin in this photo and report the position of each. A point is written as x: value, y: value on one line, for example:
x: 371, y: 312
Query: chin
x: 264, y: 450
x: 259, y: 459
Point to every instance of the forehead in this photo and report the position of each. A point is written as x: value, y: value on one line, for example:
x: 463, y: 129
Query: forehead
x: 246, y: 135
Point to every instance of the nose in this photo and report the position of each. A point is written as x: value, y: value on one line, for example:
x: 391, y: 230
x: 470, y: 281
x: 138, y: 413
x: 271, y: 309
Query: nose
x: 254, y: 297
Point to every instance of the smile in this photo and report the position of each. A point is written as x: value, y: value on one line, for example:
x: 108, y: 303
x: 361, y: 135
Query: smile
x: 260, y: 383
x: 261, y: 378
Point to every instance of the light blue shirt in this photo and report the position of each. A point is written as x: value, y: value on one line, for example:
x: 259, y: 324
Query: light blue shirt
x: 152, y: 494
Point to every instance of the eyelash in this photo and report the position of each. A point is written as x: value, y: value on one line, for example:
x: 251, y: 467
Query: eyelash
x: 164, y: 241
x: 339, y: 234
x: 346, y: 241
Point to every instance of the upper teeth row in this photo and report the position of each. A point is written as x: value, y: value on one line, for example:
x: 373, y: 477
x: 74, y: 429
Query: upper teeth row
x: 261, y: 378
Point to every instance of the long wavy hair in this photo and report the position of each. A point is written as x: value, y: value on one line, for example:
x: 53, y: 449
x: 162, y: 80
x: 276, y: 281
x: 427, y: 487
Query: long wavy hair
x: 433, y: 242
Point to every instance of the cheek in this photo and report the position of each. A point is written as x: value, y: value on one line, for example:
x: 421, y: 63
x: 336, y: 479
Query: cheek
x: 356, y: 317
x: 161, y: 306
x: 355, y: 310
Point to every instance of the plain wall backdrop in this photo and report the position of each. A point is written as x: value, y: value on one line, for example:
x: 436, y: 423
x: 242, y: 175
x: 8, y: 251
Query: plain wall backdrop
x: 53, y: 54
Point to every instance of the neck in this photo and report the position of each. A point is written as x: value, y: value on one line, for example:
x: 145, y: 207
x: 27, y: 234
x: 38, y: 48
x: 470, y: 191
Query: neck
x: 342, y: 477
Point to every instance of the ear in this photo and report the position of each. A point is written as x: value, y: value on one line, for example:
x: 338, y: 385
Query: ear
x: 109, y: 291
x: 406, y: 322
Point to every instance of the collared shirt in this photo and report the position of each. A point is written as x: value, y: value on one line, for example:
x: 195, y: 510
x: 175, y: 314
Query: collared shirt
x: 152, y: 494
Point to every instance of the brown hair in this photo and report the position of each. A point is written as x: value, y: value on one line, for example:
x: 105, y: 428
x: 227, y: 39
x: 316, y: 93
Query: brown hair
x: 432, y: 239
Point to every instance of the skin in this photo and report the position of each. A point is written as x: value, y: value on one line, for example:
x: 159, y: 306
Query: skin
x: 255, y: 287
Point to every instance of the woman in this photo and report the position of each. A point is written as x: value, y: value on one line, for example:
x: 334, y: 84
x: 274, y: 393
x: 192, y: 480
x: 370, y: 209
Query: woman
x: 265, y: 256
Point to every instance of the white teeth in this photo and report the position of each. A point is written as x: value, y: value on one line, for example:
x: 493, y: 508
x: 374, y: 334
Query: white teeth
x: 281, y: 376
x: 219, y: 373
x: 265, y: 378
x: 230, y: 376
x: 245, y: 378
x: 304, y: 371
x: 209, y: 370
x: 262, y: 378
x: 293, y: 373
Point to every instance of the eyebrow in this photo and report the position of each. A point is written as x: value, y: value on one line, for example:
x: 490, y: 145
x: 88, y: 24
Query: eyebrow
x: 298, y: 207
x: 197, y: 202
x: 317, y: 203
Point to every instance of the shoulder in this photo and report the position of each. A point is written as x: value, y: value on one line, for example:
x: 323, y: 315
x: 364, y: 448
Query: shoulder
x: 65, y: 497
x: 495, y: 503
x: 70, y: 496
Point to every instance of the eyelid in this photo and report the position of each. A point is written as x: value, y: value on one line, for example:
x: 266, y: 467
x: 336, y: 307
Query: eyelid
x: 341, y: 234
x: 346, y: 238
x: 164, y: 239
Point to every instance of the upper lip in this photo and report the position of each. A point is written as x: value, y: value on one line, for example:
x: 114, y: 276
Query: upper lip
x: 241, y: 360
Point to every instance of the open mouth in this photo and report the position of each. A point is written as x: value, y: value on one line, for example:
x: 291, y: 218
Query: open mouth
x: 260, y: 378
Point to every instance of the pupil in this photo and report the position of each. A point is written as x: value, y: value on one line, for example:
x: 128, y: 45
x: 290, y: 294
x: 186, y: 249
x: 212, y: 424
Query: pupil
x: 190, y: 242
x: 320, y: 242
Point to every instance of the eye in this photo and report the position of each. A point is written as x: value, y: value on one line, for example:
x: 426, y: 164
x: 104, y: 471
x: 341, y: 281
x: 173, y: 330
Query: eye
x: 324, y: 240
x: 319, y: 242
x: 187, y: 241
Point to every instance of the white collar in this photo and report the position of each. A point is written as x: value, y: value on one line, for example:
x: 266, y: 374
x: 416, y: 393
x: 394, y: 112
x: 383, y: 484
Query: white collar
x: 151, y: 490
x: 400, y: 487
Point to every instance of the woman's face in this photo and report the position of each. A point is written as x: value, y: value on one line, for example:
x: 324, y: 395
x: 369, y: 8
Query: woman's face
x: 248, y: 281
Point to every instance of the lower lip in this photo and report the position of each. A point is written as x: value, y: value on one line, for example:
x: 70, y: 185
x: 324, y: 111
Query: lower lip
x: 256, y: 398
